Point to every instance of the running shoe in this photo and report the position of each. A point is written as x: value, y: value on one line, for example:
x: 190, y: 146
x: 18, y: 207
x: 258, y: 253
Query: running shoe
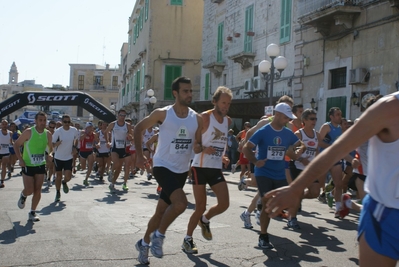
x: 65, y: 187
x: 125, y: 187
x: 112, y: 188
x: 293, y: 224
x: 57, y: 196
x: 242, y: 185
x: 33, y: 217
x: 85, y: 182
x: 344, y: 209
x: 2, y: 185
x: 330, y: 200
x: 149, y: 177
x: 206, y: 231
x: 9, y: 174
x: 246, y: 218
x: 264, y: 242
x: 143, y: 252
x: 233, y: 168
x: 21, y: 202
x: 156, y: 245
x: 322, y: 198
x: 189, y: 246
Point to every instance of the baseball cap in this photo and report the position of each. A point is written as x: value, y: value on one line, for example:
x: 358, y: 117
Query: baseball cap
x: 88, y: 124
x: 285, y: 109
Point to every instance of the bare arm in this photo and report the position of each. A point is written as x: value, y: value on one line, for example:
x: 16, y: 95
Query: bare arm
x: 19, y: 142
x: 324, y: 130
x: 198, y: 148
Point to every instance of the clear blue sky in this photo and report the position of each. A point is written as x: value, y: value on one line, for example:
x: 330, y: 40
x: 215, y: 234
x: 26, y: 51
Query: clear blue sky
x: 44, y: 36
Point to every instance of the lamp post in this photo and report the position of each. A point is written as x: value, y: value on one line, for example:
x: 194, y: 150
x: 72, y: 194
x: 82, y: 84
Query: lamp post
x: 150, y: 100
x: 272, y: 70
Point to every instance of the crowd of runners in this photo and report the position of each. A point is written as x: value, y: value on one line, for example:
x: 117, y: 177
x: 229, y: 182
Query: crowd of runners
x: 283, y: 156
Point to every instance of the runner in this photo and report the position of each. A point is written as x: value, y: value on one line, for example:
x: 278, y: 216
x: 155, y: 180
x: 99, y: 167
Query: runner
x: 88, y: 139
x: 33, y: 163
x: 65, y: 140
x: 207, y: 167
x: 103, y: 153
x: 272, y: 140
x: 179, y: 133
x: 378, y: 231
x: 5, y: 142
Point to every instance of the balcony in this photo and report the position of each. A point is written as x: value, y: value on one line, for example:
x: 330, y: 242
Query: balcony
x: 329, y: 16
x: 215, y: 67
x: 245, y: 59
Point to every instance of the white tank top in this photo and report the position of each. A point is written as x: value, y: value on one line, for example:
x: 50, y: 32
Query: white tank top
x: 5, y: 142
x: 216, y: 137
x: 119, y: 134
x: 103, y: 145
x: 175, y: 141
x: 311, y: 144
x: 147, y: 136
x: 382, y: 181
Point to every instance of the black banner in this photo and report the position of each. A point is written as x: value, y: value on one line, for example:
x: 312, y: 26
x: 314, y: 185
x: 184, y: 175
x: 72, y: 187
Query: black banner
x: 73, y: 98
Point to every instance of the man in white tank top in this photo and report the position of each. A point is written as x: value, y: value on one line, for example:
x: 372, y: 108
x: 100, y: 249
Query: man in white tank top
x: 378, y: 232
x: 179, y: 133
x: 5, y: 141
x: 207, y: 167
x: 119, y: 130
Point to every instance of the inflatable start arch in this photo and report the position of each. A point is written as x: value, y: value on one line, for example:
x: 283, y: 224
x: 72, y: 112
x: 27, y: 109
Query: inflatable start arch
x: 73, y: 98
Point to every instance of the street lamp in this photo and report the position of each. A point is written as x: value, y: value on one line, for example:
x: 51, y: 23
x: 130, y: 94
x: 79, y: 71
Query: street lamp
x: 268, y: 69
x: 150, y: 100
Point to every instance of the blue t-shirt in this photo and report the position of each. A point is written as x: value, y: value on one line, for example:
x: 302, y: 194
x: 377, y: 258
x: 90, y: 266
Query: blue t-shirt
x: 272, y: 145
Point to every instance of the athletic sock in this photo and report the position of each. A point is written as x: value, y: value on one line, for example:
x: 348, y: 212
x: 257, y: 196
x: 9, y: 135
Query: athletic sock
x: 204, y: 219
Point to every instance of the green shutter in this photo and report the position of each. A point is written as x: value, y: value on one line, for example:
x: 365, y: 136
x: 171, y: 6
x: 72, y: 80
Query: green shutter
x: 285, y: 24
x: 339, y: 102
x: 146, y: 9
x: 135, y: 34
x: 207, y: 86
x: 219, y: 57
x: 141, y: 19
x: 171, y: 73
x: 143, y: 74
x: 176, y: 2
x: 249, y: 26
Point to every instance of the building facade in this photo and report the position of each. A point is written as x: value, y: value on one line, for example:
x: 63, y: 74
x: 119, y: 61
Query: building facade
x: 102, y: 83
x: 164, y: 42
x: 235, y: 37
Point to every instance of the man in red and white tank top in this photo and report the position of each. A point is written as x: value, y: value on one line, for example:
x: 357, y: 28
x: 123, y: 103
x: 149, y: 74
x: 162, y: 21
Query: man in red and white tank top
x: 88, y: 139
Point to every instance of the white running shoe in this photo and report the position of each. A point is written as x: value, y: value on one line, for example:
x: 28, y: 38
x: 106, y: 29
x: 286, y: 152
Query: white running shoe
x: 242, y: 185
x: 233, y: 168
x: 246, y: 218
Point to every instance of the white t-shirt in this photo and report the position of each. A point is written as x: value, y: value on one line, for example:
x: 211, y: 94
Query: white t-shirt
x: 64, y: 150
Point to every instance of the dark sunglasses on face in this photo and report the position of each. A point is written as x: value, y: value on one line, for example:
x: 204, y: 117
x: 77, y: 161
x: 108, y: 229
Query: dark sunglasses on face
x: 312, y: 119
x: 66, y: 121
x: 51, y: 127
x: 122, y: 115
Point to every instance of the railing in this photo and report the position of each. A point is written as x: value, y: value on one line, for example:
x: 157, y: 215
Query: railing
x: 311, y: 6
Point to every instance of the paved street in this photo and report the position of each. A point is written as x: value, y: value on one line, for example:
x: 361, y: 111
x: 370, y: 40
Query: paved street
x: 91, y: 227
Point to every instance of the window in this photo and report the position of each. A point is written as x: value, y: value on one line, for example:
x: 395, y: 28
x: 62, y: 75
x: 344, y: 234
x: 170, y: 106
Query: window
x: 219, y: 57
x: 143, y: 76
x: 176, y: 2
x: 249, y: 27
x: 115, y: 82
x: 285, y: 25
x: 129, y: 43
x: 135, y: 34
x: 171, y: 73
x: 98, y: 82
x: 207, y: 86
x: 146, y: 9
x: 141, y: 19
x: 81, y: 82
x: 338, y: 78
x: 79, y: 112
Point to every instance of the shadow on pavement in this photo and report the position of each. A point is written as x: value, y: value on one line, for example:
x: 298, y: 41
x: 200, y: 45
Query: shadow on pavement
x: 10, y: 236
x: 198, y: 262
x: 53, y: 207
x: 112, y: 198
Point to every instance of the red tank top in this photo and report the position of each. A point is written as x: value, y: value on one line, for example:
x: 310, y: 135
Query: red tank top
x: 87, y: 144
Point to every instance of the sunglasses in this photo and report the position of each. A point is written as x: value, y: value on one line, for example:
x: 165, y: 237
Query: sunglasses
x: 51, y: 127
x: 312, y: 119
x: 66, y: 121
x: 122, y: 115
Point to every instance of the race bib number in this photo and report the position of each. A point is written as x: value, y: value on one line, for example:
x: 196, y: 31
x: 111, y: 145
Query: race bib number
x: 37, y: 158
x: 5, y: 146
x: 180, y: 147
x: 275, y: 152
x: 120, y: 143
x: 218, y: 154
x: 310, y: 152
x: 89, y: 145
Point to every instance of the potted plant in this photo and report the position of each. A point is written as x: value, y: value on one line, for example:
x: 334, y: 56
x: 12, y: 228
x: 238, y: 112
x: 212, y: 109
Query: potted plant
x: 237, y: 34
x: 250, y: 33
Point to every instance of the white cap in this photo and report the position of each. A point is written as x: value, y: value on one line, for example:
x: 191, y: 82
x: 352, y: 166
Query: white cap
x: 285, y: 109
x: 88, y: 124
